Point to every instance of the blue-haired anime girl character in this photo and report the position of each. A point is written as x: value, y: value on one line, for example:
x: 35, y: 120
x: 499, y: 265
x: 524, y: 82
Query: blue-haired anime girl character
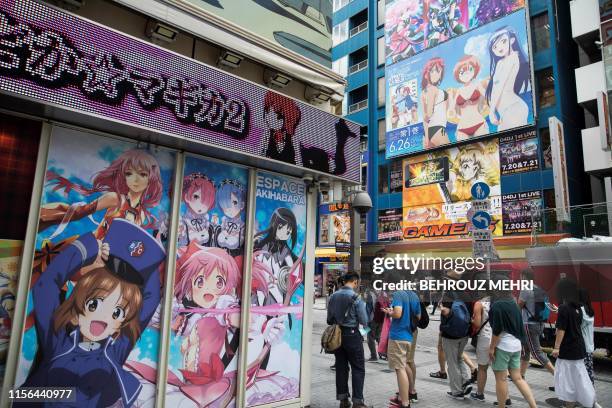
x: 230, y: 234
x: 509, y: 79
x: 277, y: 243
x: 85, y: 340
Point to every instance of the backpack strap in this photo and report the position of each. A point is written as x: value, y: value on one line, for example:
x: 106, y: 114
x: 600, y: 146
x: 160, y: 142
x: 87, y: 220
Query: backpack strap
x: 350, y: 306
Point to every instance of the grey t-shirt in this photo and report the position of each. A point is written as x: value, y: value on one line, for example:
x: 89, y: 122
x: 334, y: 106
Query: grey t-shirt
x: 528, y: 310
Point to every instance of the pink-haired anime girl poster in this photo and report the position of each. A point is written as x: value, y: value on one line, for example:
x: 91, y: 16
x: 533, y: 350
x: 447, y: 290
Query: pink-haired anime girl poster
x: 81, y: 330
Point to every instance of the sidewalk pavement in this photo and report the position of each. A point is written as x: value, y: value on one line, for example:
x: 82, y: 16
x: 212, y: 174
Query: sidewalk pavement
x: 380, y: 382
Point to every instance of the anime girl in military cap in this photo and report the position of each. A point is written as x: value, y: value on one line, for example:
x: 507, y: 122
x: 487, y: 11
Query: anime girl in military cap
x: 85, y: 340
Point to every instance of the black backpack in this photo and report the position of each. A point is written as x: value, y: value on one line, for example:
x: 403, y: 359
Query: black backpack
x: 424, y: 320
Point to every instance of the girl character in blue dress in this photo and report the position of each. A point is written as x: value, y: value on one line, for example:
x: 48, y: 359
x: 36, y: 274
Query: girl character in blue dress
x: 85, y: 340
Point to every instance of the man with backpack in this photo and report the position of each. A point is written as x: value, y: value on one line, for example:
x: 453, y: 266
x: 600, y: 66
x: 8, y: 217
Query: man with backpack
x: 348, y: 311
x: 405, y: 312
x: 454, y: 329
x: 535, y: 313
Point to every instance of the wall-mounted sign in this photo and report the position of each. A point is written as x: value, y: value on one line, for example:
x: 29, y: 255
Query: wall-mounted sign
x: 519, y: 152
x: 57, y: 58
x: 557, y: 144
x: 522, y: 212
x: 390, y: 224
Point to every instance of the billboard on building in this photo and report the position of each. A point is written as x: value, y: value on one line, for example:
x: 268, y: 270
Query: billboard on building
x: 518, y: 152
x: 559, y: 164
x: 469, y: 87
x: 277, y: 304
x: 334, y: 224
x: 100, y: 247
x: 57, y: 58
x: 415, y: 25
x: 522, y: 212
x: 303, y: 26
x: 390, y: 224
x: 437, y: 190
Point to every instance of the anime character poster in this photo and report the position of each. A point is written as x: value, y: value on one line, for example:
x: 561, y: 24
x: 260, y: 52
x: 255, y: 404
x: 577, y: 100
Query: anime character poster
x: 10, y: 257
x: 277, y: 293
x: 519, y: 152
x: 412, y: 26
x: 469, y: 87
x: 204, y: 339
x: 522, y: 212
x: 437, y: 196
x: 96, y: 278
x: 342, y: 226
x: 324, y: 230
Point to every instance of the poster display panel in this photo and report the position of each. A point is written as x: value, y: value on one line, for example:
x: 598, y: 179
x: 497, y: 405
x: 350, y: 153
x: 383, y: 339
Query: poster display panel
x: 472, y: 86
x: 100, y: 250
x: 437, y: 202
x: 390, y: 224
x: 522, y: 212
x: 275, y: 346
x: 519, y: 152
x: 415, y: 25
x: 204, y: 341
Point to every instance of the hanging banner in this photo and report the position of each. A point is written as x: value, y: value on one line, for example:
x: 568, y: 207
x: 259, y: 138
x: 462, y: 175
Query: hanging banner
x: 462, y: 90
x: 415, y: 25
x: 519, y: 152
x: 390, y: 224
x: 275, y: 338
x: 96, y: 280
x: 522, y: 212
x: 57, y: 58
x: 557, y: 145
x: 437, y: 190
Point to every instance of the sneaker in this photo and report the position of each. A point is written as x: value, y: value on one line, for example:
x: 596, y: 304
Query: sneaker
x: 373, y: 359
x: 459, y: 396
x: 467, y: 390
x: 345, y: 403
x: 477, y: 397
x: 508, y: 402
x: 438, y: 374
x: 414, y: 398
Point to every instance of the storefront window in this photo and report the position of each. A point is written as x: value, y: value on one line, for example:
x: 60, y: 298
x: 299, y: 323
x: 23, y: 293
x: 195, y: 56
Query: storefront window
x: 546, y: 87
x: 540, y: 28
x: 383, y: 179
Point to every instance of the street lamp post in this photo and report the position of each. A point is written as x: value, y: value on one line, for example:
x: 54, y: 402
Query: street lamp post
x: 361, y: 204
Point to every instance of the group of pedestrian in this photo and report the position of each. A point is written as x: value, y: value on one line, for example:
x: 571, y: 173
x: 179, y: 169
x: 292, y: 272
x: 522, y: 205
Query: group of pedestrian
x: 506, y: 331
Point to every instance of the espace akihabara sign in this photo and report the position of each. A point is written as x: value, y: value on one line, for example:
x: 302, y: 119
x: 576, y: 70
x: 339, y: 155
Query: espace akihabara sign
x: 54, y: 57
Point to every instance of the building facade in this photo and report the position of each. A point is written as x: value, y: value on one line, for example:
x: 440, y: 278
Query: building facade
x: 358, y: 53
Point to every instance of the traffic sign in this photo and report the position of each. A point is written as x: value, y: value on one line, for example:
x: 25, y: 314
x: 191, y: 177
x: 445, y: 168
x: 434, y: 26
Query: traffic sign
x: 482, y: 235
x: 481, y: 220
x: 481, y: 205
x: 480, y: 190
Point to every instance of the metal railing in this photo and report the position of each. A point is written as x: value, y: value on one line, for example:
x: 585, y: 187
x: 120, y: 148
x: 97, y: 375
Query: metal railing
x: 358, y: 67
x: 356, y: 30
x: 358, y: 106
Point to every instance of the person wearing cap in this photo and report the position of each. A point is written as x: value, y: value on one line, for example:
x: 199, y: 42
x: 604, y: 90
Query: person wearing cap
x: 85, y: 340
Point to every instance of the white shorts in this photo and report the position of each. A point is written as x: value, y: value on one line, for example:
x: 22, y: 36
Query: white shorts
x: 482, y: 350
x: 572, y: 382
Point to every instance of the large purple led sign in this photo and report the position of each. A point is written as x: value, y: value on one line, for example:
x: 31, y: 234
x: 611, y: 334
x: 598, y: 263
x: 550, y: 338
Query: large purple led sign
x: 55, y: 57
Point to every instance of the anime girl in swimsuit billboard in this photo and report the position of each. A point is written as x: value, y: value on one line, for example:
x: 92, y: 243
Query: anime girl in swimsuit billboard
x: 469, y: 87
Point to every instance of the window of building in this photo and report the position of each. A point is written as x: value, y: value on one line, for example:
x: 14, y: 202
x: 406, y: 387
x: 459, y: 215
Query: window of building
x: 381, y: 91
x: 340, y: 33
x: 340, y: 66
x: 395, y: 185
x: 380, y: 12
x: 546, y: 150
x: 546, y: 87
x: 380, y: 50
x: 358, y: 60
x: 540, y: 30
x: 358, y: 99
x: 338, y: 4
x: 381, y: 135
x: 383, y: 179
x: 358, y: 23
